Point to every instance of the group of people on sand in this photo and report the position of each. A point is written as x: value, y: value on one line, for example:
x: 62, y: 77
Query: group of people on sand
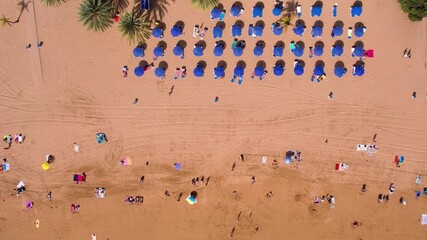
x: 198, y: 180
x: 132, y: 200
x: 329, y: 198
x: 75, y: 208
x: 19, y: 138
x: 386, y: 197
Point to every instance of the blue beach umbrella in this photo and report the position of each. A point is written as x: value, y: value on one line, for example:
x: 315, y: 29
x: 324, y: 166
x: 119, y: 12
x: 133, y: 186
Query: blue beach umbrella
x: 218, y: 51
x: 159, y: 72
x: 235, y: 11
x: 318, y: 71
x: 215, y: 13
x: 316, y: 11
x: 139, y: 71
x: 198, y: 51
x: 217, y: 32
x: 278, y: 30
x: 199, y: 72
x: 317, y: 31
x: 278, y: 51
x: 298, y: 30
x: 258, y: 51
x: 359, y: 31
x: 239, y: 71
x: 298, y: 70
x: 236, y: 30
x: 238, y: 51
x: 359, y: 71
x: 138, y: 52
x: 337, y: 31
x: 157, y: 32
x: 158, y: 51
x: 318, y: 50
x: 337, y: 51
x: 258, y: 31
x: 358, y: 51
x: 219, y: 72
x: 176, y: 31
x: 259, y: 71
x: 298, y: 51
x: 339, y: 71
x: 356, y: 11
x: 257, y: 12
x: 278, y: 70
x: 277, y: 11
x: 178, y: 51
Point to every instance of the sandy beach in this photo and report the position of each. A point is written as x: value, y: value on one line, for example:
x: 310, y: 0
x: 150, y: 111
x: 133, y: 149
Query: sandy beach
x: 72, y: 88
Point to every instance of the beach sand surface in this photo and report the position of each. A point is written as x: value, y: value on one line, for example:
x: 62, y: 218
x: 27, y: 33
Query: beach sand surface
x: 72, y: 88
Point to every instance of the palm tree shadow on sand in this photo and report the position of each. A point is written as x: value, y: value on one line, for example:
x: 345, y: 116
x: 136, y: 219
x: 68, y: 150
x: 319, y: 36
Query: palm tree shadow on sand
x: 158, y: 8
x: 119, y: 5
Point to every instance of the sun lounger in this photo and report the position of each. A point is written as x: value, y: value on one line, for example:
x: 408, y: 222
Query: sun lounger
x: 251, y: 30
x: 79, y: 178
x: 196, y: 31
x: 145, y: 4
x: 349, y: 33
x: 299, y: 13
x: 361, y: 147
x: 335, y: 10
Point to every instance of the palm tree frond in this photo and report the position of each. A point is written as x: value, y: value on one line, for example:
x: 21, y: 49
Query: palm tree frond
x: 53, y: 3
x: 135, y: 25
x: 96, y: 14
x: 204, y: 4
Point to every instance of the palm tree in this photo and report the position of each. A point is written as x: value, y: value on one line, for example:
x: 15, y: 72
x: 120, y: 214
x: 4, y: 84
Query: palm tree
x: 53, y: 3
x: 5, y: 21
x: 204, y: 4
x: 96, y: 14
x: 291, y: 8
x: 135, y: 25
x: 285, y: 21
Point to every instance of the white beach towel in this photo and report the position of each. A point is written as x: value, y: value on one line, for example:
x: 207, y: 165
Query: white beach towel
x: 264, y: 159
x: 423, y: 219
x: 361, y: 147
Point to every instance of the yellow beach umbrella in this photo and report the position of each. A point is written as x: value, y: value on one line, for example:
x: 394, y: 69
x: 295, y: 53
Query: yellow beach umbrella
x: 45, y: 166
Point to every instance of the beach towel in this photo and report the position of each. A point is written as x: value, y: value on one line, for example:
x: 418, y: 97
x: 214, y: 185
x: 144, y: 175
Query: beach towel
x: 125, y: 161
x: 191, y: 200
x: 177, y: 166
x: 423, y: 219
x: 361, y: 147
x: 78, y: 178
x: 37, y: 223
x: 401, y: 159
x: 341, y: 166
x: 372, y: 149
x: 264, y: 159
x: 5, y: 167
x: 101, y: 137
x: 368, y: 53
x: 418, y: 180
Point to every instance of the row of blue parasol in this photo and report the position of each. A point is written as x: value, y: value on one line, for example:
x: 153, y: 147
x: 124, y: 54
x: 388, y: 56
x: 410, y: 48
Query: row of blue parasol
x: 278, y: 70
x: 355, y: 11
x: 257, y: 11
x: 218, y: 51
x: 257, y: 31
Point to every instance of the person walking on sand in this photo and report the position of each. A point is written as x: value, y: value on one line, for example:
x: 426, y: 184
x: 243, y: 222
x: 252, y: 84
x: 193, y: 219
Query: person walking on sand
x: 253, y: 180
x: 76, y: 148
x: 49, y: 195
